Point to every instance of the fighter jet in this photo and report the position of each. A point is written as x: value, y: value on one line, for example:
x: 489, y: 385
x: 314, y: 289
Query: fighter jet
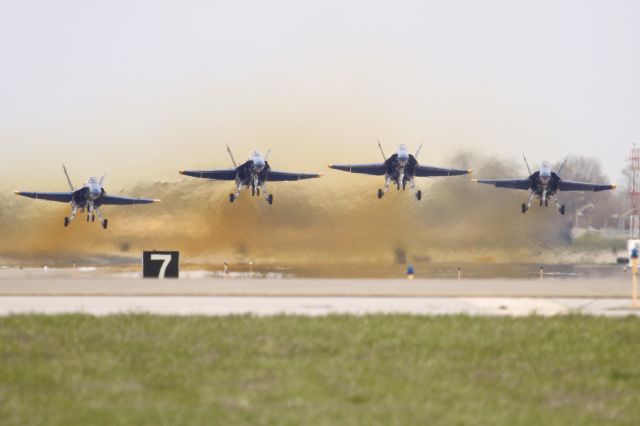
x: 90, y: 197
x: 401, y: 168
x: 253, y: 174
x: 545, y: 184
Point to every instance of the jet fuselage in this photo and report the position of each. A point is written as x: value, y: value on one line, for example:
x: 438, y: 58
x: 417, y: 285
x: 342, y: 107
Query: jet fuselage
x: 254, y: 172
x: 400, y: 168
x: 545, y: 182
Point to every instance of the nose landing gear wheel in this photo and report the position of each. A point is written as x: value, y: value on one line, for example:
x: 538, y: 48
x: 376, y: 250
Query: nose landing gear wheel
x: 105, y: 223
x: 562, y: 209
x: 66, y: 222
x: 524, y: 208
x: 419, y: 195
x: 380, y: 193
x: 270, y: 199
x: 232, y: 198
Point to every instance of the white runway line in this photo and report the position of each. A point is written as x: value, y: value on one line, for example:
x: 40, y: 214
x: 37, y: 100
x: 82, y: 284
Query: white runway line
x: 313, y: 306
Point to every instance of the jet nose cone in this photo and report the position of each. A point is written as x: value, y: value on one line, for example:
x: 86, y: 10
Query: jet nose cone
x: 258, y: 163
x: 95, y: 192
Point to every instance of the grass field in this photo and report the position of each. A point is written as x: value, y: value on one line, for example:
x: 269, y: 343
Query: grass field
x: 76, y: 369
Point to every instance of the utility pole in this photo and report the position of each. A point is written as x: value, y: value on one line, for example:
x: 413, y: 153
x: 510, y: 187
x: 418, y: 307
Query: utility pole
x: 634, y: 193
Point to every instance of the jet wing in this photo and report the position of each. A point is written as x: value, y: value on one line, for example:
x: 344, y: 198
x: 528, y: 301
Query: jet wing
x: 567, y: 185
x: 275, y: 176
x: 377, y: 169
x: 226, y: 174
x: 428, y: 171
x: 507, y: 183
x: 62, y: 197
x: 115, y: 200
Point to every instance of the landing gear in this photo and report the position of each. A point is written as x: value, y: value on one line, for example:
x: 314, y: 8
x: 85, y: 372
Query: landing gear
x: 239, y: 187
x: 404, y: 185
x: 398, y: 186
x: 560, y: 207
x: 253, y: 191
x: 88, y: 217
x: 380, y: 193
x: 546, y: 202
x: 419, y: 195
x: 257, y: 192
x: 105, y: 223
x: 270, y: 199
x: 540, y: 202
x: 67, y: 220
x: 93, y: 218
x: 525, y: 207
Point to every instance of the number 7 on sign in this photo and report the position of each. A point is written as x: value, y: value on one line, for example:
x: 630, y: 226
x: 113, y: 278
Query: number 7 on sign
x: 166, y: 259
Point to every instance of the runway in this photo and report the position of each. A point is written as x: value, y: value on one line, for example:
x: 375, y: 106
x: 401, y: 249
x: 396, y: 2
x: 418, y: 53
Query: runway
x: 614, y: 287
x: 313, y: 306
x: 103, y: 296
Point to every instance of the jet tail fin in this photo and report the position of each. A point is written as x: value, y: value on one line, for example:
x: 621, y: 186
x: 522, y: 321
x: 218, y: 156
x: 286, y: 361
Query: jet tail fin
x: 233, y: 160
x: 68, y: 179
x: 418, y: 151
x: 562, y: 166
x: 525, y: 162
x: 384, y: 157
x: 104, y: 176
x: 266, y: 156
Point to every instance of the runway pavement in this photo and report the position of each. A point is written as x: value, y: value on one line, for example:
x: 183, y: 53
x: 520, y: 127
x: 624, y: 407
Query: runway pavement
x: 101, y: 296
x: 619, y: 286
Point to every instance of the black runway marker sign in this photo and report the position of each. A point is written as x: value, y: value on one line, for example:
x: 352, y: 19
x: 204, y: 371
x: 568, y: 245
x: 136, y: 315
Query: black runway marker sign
x: 160, y: 264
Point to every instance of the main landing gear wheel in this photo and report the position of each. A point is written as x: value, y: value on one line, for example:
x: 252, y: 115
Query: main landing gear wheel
x: 93, y: 218
x: 562, y: 209
x: 419, y: 195
x: 380, y: 193
x: 66, y: 222
x: 540, y: 202
x: 258, y: 192
x: 232, y: 198
x: 404, y: 186
x: 88, y: 217
x: 105, y: 223
x: 398, y: 186
x: 270, y: 199
x: 546, y: 203
x: 524, y: 208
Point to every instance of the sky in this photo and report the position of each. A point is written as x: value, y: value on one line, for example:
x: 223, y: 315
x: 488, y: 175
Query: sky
x: 146, y: 88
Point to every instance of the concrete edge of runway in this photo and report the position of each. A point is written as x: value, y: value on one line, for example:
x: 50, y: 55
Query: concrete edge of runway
x: 316, y: 306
